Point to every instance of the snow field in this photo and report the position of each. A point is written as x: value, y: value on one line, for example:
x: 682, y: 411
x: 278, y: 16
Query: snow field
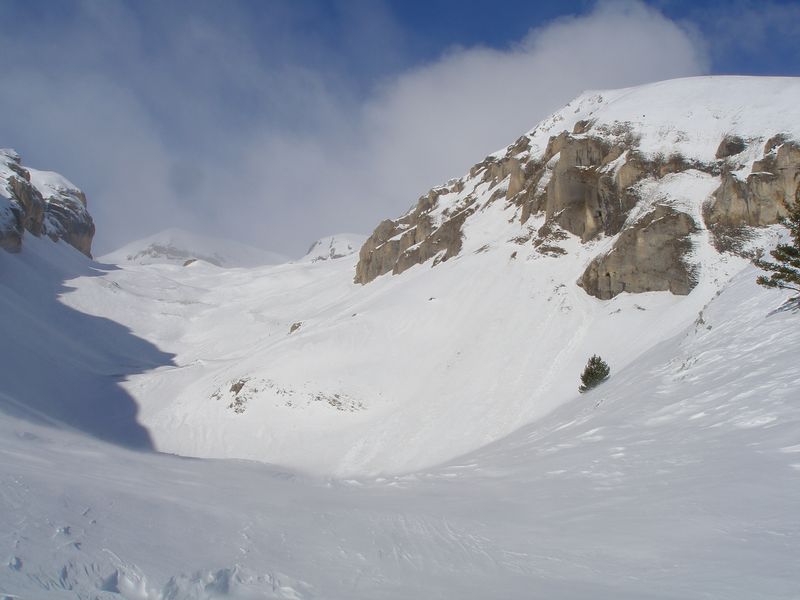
x: 420, y: 436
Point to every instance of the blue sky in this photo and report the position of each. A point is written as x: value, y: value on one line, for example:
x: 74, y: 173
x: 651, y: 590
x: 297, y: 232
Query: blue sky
x: 743, y: 37
x: 276, y: 122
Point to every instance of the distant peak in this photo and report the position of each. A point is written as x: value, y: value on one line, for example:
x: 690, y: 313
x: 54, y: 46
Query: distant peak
x: 333, y: 247
x: 178, y: 246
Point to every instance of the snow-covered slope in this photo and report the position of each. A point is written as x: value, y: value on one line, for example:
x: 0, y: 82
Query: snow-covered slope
x: 296, y: 364
x: 430, y: 438
x: 676, y: 479
x: 176, y: 246
x: 64, y: 366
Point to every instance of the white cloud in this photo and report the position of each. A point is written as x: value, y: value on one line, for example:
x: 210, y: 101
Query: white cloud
x: 302, y: 152
x: 433, y: 122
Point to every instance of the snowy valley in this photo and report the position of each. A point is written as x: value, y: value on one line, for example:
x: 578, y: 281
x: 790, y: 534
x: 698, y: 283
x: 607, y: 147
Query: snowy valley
x: 398, y: 415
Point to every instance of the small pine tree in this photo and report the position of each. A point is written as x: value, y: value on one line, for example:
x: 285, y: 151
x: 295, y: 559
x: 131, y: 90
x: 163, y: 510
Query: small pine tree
x: 786, y: 271
x: 595, y: 373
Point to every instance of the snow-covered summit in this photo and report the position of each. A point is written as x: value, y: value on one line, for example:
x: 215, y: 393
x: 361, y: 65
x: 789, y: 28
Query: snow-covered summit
x: 50, y: 183
x: 177, y: 246
x: 333, y: 247
x: 646, y: 178
x: 687, y: 116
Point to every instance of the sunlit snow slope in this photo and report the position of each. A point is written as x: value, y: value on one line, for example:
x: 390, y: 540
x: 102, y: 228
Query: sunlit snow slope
x: 677, y: 479
x: 295, y: 364
x: 421, y: 435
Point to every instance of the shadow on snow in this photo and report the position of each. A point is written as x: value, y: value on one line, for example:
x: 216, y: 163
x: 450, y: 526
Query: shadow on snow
x: 60, y: 366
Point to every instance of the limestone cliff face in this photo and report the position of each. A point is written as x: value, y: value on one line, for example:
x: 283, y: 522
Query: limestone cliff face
x: 590, y: 179
x: 66, y: 218
x: 758, y: 198
x: 647, y: 257
x: 413, y: 239
x: 583, y: 184
x: 41, y: 203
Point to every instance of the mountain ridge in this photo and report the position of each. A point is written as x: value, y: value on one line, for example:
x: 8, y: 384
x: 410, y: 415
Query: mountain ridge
x: 582, y: 172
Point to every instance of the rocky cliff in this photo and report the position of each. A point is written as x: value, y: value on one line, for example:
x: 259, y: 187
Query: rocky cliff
x: 41, y: 203
x: 635, y: 175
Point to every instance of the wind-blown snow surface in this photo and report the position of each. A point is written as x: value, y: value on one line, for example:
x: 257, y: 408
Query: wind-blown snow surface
x: 678, y: 478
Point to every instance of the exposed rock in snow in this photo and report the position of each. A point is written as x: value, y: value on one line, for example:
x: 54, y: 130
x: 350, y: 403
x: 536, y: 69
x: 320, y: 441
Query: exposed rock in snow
x: 22, y: 206
x: 41, y: 202
x: 730, y: 145
x: 334, y: 246
x: 582, y: 169
x: 66, y: 216
x: 647, y: 257
x: 758, y: 198
x: 414, y: 238
x: 10, y: 229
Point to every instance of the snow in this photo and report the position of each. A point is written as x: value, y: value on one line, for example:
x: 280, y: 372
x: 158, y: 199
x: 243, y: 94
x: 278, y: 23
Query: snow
x: 296, y: 365
x: 676, y: 478
x: 390, y: 377
x: 49, y: 183
x: 419, y: 436
x: 60, y: 365
x: 333, y: 247
x: 176, y: 246
x: 688, y: 116
x: 363, y: 344
x: 7, y: 156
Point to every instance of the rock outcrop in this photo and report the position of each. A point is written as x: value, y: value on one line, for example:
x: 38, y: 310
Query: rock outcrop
x: 757, y: 199
x: 41, y: 203
x: 583, y: 184
x: 413, y: 239
x: 647, y: 257
x: 11, y: 229
x: 585, y: 177
x: 731, y: 145
x: 582, y: 196
x: 66, y: 218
